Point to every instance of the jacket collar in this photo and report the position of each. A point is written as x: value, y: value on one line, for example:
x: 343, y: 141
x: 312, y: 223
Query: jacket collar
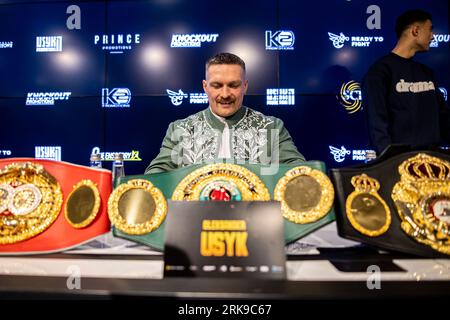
x: 219, y: 123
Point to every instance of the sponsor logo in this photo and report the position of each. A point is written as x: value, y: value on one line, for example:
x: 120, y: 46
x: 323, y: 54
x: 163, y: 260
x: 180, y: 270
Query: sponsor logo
x: 414, y: 87
x: 280, y: 96
x: 177, y: 98
x: 132, y: 155
x: 117, y: 43
x: 116, y: 98
x: 49, y: 44
x: 439, y: 38
x: 444, y: 92
x: 339, y: 155
x: 5, y: 153
x: 355, y: 41
x: 48, y: 152
x: 350, y: 96
x: 6, y: 44
x: 192, y: 40
x: 280, y: 40
x: 45, y: 98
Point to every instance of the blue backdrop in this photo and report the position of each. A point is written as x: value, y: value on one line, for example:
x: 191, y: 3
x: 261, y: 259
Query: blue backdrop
x: 112, y: 75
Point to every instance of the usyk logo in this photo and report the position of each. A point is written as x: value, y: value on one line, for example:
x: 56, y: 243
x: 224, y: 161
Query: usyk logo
x: 6, y: 44
x: 109, y: 156
x: 280, y: 96
x: 117, y: 43
x: 280, y: 40
x: 221, y: 190
x: 49, y: 44
x: 356, y: 41
x: 176, y: 97
x: 45, y: 98
x: 350, y: 96
x: 116, y: 98
x: 339, y: 154
x: 338, y: 40
x: 48, y: 152
x: 192, y: 40
x: 438, y: 38
x: 444, y: 92
x: 194, y: 98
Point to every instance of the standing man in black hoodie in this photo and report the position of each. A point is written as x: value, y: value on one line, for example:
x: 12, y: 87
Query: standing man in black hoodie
x: 402, y: 100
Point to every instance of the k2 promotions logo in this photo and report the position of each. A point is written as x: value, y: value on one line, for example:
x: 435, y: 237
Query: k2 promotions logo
x: 280, y: 40
x: 350, y: 96
x: 116, y: 98
x: 355, y: 41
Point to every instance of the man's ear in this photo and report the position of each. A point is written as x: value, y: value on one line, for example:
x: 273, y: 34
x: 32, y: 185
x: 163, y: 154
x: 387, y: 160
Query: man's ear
x: 415, y: 30
x: 205, y: 85
x: 245, y: 86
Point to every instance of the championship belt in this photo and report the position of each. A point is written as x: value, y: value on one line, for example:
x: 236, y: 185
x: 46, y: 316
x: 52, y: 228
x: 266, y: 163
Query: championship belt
x: 221, y: 182
x: 48, y: 206
x: 398, y: 202
x: 224, y: 182
x: 422, y: 198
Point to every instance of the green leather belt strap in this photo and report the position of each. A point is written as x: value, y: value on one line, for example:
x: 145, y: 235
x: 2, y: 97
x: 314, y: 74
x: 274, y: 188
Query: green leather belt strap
x: 166, y: 182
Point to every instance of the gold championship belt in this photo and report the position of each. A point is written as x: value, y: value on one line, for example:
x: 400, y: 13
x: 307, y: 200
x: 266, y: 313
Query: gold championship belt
x: 365, y: 209
x: 30, y: 201
x: 422, y: 198
x: 221, y: 182
x: 306, y: 194
x: 137, y: 207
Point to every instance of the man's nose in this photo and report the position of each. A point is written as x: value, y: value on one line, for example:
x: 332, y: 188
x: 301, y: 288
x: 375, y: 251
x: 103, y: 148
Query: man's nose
x: 225, y: 92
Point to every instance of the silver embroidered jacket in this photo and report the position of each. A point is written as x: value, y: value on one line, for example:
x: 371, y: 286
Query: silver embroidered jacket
x: 254, y: 138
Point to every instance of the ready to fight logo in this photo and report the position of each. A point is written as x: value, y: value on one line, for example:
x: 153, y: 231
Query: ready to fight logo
x: 340, y: 39
x: 177, y: 97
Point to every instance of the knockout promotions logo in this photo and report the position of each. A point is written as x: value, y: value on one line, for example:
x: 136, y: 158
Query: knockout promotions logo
x: 350, y: 96
x: 49, y: 44
x: 48, y: 152
x: 280, y: 96
x: 45, y: 98
x: 280, y: 40
x: 194, y: 98
x: 192, y: 40
x: 117, y: 43
x: 116, y: 98
x: 355, y: 41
